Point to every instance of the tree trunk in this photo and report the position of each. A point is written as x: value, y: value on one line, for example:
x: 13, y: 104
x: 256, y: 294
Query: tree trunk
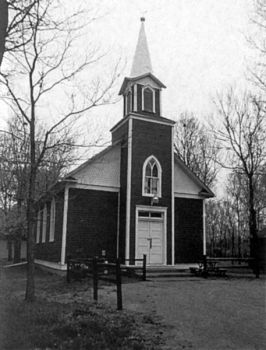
x: 18, y: 234
x: 233, y: 242
x: 30, y: 287
x: 3, y: 27
x: 253, y: 228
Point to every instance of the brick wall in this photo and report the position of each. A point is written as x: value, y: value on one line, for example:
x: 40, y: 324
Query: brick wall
x: 188, y: 230
x: 92, y: 222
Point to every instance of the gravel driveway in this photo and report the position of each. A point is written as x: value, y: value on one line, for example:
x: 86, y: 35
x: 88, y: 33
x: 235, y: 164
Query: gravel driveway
x: 195, y: 313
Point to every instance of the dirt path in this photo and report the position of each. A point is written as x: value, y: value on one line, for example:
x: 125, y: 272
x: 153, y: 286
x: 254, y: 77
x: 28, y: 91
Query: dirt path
x: 202, y: 314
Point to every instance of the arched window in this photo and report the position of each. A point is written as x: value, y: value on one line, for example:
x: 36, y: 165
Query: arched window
x: 148, y: 102
x: 152, y: 177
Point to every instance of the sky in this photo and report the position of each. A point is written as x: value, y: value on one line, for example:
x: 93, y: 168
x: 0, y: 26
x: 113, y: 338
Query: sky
x: 198, y: 48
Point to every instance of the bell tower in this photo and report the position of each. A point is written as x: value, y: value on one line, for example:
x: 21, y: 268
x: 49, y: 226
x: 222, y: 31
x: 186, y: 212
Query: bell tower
x: 142, y: 90
x: 146, y: 166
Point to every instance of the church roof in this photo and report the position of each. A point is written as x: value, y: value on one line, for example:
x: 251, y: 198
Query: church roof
x: 142, y: 61
x: 205, y: 190
x: 141, y: 66
x: 127, y: 80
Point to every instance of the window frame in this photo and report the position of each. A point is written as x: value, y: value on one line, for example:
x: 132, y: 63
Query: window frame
x: 52, y: 220
x: 44, y: 223
x: 153, y: 98
x: 159, y: 168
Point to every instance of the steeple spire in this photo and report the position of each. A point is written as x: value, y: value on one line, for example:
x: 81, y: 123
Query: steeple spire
x: 141, y: 62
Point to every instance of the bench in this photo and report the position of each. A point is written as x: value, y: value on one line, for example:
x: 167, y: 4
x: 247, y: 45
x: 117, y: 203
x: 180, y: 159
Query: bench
x: 211, y: 269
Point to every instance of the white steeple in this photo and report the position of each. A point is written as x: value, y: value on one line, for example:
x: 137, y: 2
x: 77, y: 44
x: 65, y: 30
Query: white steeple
x: 141, y: 62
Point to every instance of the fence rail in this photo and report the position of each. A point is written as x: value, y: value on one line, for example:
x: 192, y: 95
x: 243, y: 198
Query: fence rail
x: 103, y: 269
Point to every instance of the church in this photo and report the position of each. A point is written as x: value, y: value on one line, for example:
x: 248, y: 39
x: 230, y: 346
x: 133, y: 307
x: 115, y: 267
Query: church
x: 135, y: 197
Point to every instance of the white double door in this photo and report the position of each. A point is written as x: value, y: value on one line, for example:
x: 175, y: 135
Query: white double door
x: 150, y: 240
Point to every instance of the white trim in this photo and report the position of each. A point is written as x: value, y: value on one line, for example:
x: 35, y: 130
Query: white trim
x: 152, y: 209
x: 128, y: 203
x: 144, y: 87
x: 52, y: 220
x: 204, y: 225
x: 160, y: 102
x: 159, y: 194
x: 51, y: 265
x: 94, y: 187
x: 140, y: 117
x: 135, y: 107
x: 151, y: 120
x: 188, y: 195
x: 118, y: 226
x: 44, y: 223
x: 173, y: 201
x: 64, y: 229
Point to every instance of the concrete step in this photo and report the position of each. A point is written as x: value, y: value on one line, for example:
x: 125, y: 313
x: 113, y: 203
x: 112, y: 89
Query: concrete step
x: 171, y: 274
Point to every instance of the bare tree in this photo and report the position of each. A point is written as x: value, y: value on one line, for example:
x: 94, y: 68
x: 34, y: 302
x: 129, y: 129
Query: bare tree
x: 243, y: 134
x: 197, y: 148
x: 45, y: 71
x: 3, y: 27
x: 14, y: 169
x: 258, y: 42
x: 14, y: 15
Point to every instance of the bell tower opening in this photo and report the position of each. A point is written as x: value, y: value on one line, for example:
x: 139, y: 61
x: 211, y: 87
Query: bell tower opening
x: 148, y: 99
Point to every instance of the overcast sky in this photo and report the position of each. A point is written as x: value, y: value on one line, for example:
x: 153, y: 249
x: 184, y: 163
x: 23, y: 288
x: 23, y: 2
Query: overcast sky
x: 197, y: 48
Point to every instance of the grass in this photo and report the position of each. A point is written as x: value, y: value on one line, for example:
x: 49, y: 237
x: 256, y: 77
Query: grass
x: 64, y: 317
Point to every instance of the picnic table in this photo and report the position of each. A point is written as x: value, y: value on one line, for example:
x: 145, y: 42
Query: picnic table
x: 207, y: 268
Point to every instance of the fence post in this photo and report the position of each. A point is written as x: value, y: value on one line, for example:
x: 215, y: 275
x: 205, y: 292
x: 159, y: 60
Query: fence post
x: 205, y: 273
x: 144, y: 267
x: 95, y: 278
x: 118, y: 285
x: 68, y: 268
x: 67, y: 275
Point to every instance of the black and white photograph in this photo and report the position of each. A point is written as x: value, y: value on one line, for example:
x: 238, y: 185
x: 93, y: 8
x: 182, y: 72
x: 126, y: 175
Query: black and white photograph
x: 132, y: 175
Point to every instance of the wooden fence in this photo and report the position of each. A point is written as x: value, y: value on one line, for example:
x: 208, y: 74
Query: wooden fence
x: 110, y: 270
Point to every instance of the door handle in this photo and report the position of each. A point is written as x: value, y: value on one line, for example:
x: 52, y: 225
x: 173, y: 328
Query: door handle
x: 150, y: 239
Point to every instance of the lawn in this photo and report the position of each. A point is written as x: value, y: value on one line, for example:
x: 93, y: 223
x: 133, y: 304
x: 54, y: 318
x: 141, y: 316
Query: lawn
x: 65, y: 317
x: 178, y: 313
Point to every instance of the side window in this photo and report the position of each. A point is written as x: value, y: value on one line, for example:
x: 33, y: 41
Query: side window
x: 52, y: 221
x: 152, y: 177
x: 44, y: 224
x: 148, y: 99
